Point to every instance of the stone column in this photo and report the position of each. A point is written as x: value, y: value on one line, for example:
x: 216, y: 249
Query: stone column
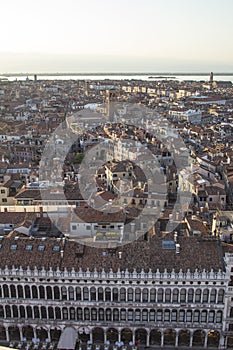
x: 191, y: 340
x: 34, y: 332
x: 119, y: 335
x: 20, y: 333
x: 49, y: 336
x: 206, y: 339
x: 162, y: 338
x: 133, y: 340
x: 177, y: 339
x: 91, y: 337
x: 105, y: 336
x: 7, y: 334
x: 148, y: 338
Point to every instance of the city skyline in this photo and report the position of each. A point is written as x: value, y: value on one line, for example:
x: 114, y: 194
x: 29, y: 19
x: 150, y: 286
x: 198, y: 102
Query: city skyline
x: 118, y: 37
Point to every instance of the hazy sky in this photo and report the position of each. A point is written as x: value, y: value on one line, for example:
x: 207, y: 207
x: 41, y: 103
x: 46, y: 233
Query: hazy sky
x: 119, y: 35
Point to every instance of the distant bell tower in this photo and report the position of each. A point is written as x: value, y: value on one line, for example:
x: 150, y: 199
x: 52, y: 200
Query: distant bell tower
x: 211, y: 77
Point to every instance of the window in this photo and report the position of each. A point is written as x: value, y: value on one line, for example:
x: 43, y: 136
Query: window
x: 211, y: 316
x: 130, y: 294
x: 175, y: 295
x: 88, y: 227
x: 123, y: 315
x: 205, y: 296
x: 189, y: 316
x: 137, y: 316
x: 152, y: 295
x: 167, y: 316
x: 196, y: 316
x: 86, y: 314
x: 174, y: 316
x: 204, y: 316
x: 4, y: 200
x: 183, y: 295
x: 138, y: 295
x: 79, y: 314
x: 13, y: 247
x: 167, y: 295
x: 181, y: 315
x: 160, y: 295
x: 198, y: 296
x: 152, y: 315
x: 56, y: 248
x: 130, y: 315
x: 101, y: 315
x: 122, y: 294
x: 2, y: 191
x: 41, y: 248
x: 159, y: 316
x: 28, y: 247
x: 74, y: 227
x: 220, y: 296
x: 85, y: 293
x: 190, y: 295
x: 219, y: 317
x: 145, y: 295
x: 213, y: 296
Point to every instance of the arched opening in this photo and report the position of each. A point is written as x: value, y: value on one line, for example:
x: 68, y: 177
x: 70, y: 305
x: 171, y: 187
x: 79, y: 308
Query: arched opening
x: 169, y: 337
x: 198, y: 338
x: 20, y: 291
x: 213, y: 339
x: 14, y: 333
x: 184, y: 338
x: 29, y: 311
x: 22, y: 311
x: 42, y: 334
x: 15, y: 311
x: 36, y: 312
x: 42, y: 292
x: 57, y: 313
x: 8, y: 311
x: 34, y: 292
x: 98, y: 335
x: 126, y: 335
x: 28, y: 332
x: 84, y: 335
x: 27, y: 292
x: 112, y: 335
x: 50, y: 313
x: 49, y: 293
x: 2, y: 333
x: 13, y: 291
x: 230, y: 341
x: 140, y: 336
x: 55, y: 334
x: 56, y: 292
x: 155, y: 337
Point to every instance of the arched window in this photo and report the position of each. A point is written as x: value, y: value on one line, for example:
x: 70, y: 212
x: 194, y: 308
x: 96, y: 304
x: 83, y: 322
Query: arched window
x: 152, y: 316
x: 29, y: 312
x: 85, y: 293
x: 101, y: 314
x: 167, y: 295
x: 8, y: 311
x: 130, y: 315
x: 43, y: 312
x: 41, y: 292
x: 123, y: 315
x: 190, y: 295
x: 219, y: 316
x: 130, y: 294
x: 213, y: 296
x: 20, y: 291
x: 152, y: 295
x: 2, y: 312
x: 49, y: 293
x: 86, y: 314
x: 137, y: 315
x: 174, y: 316
x: 196, y: 316
x: 50, y: 313
x: 183, y: 295
x: 107, y: 294
x: 93, y: 294
x: 198, y: 296
x: 138, y: 294
x: 181, y: 316
x: 108, y: 315
x: 71, y: 293
x: 115, y: 315
x: 175, y: 295
x: 167, y: 315
x: 93, y: 314
x: 78, y: 293
x: 220, y: 296
x: 122, y: 294
x: 13, y: 291
x: 79, y: 314
x: 56, y: 292
x: 205, y: 297
x: 72, y: 313
x: 159, y: 316
x: 160, y: 295
x: 34, y: 292
x: 63, y: 293
x: 15, y: 311
x: 27, y: 292
x: 6, y: 291
x: 211, y: 316
x: 115, y: 294
x: 64, y: 313
x: 189, y: 316
x: 36, y: 312
x: 145, y: 295
x: 58, y: 313
x: 203, y: 316
x: 22, y: 311
x: 100, y: 294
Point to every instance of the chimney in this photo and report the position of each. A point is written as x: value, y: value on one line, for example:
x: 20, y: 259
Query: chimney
x: 62, y: 253
x: 177, y: 248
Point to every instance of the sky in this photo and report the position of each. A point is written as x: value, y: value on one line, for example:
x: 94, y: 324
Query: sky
x: 116, y: 36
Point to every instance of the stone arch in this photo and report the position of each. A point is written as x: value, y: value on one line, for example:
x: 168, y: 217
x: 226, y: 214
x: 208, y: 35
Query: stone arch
x: 169, y: 337
x: 126, y: 335
x: 8, y: 311
x: 49, y: 293
x: 140, y: 336
x: 28, y: 332
x: 15, y: 311
x: 184, y: 337
x: 20, y: 291
x: 27, y: 292
x: 22, y: 313
x: 213, y: 338
x: 198, y: 338
x: 34, y: 292
x: 50, y: 312
x: 42, y: 292
x: 229, y: 341
x: 98, y: 335
x: 56, y: 293
x: 14, y: 333
x: 112, y: 335
x: 13, y: 291
x: 2, y: 333
x: 42, y: 334
x: 55, y: 334
x: 155, y: 337
x: 29, y: 311
x: 6, y: 291
x: 84, y: 334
